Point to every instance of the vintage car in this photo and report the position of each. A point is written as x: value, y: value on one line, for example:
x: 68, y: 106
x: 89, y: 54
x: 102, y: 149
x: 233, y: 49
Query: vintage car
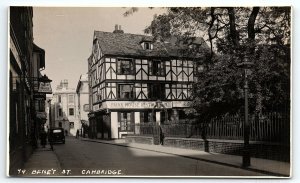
x: 56, y: 135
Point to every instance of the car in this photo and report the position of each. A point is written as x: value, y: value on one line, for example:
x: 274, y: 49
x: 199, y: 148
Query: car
x: 56, y: 135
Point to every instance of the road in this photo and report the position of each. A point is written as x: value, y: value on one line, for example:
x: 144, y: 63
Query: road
x: 83, y: 158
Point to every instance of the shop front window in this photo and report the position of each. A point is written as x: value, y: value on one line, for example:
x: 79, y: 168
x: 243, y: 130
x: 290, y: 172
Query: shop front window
x: 125, y: 121
x: 145, y: 117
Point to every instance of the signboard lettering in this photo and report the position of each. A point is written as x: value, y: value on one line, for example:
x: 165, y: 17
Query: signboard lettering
x: 134, y: 105
x: 45, y: 87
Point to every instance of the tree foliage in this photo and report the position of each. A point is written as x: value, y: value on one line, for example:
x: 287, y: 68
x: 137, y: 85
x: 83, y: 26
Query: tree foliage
x: 260, y: 33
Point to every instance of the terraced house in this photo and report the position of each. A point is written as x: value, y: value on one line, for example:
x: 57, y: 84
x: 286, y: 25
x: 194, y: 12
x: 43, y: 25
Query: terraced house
x: 139, y: 79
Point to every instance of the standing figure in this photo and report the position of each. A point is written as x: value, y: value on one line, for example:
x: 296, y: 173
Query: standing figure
x: 77, y: 134
x: 43, y: 138
x: 50, y: 139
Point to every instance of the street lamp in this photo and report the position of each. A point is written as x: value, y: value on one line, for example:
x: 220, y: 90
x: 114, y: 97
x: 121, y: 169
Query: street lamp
x: 246, y: 65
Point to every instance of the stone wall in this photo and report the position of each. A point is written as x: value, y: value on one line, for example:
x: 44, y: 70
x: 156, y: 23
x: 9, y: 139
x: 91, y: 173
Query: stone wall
x: 264, y: 150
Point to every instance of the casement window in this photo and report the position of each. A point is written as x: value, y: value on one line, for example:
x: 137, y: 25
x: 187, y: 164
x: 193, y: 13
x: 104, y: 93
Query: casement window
x: 71, y: 111
x: 59, y: 98
x: 147, y: 45
x: 125, y: 121
x: 157, y: 68
x: 156, y: 91
x: 125, y: 66
x: 60, y: 112
x: 126, y: 91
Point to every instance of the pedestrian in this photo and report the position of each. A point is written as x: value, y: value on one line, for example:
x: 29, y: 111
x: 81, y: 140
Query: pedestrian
x: 50, y: 139
x: 161, y: 136
x: 77, y: 133
x: 43, y: 138
x: 66, y: 132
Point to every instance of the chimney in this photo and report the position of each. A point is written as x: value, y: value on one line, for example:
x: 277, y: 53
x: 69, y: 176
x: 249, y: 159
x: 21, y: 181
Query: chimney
x: 65, y: 83
x: 118, y: 29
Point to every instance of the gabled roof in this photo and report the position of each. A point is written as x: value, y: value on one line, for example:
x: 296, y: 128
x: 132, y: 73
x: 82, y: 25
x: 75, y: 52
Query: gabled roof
x: 124, y: 44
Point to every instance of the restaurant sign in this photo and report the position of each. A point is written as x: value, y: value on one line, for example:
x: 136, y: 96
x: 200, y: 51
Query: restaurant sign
x: 133, y: 105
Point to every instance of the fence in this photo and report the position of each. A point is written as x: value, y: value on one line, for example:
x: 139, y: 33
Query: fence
x: 272, y: 127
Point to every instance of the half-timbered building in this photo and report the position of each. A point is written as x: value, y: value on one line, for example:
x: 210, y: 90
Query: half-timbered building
x: 138, y: 79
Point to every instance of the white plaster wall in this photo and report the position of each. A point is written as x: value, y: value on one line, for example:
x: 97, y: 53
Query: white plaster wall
x: 114, y: 125
x: 137, y: 117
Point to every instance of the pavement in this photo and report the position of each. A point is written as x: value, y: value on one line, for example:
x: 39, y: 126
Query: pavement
x: 269, y: 167
x: 44, y: 161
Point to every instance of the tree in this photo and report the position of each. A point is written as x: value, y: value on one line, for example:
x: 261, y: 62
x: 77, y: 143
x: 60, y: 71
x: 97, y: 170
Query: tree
x: 262, y: 33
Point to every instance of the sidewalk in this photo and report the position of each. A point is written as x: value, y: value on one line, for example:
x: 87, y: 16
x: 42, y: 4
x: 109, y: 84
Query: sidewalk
x: 43, y: 162
x: 269, y: 167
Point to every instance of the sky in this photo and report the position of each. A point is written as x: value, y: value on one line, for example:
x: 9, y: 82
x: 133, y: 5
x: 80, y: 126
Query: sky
x: 66, y: 35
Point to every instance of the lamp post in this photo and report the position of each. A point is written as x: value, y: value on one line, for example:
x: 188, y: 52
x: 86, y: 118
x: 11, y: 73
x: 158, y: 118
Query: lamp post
x: 246, y: 65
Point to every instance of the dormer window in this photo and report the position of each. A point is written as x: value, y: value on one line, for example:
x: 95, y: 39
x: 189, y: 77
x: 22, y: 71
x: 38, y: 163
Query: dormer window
x: 147, y: 45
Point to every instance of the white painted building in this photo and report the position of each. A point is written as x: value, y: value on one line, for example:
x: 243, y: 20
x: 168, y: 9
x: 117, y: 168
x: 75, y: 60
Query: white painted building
x: 82, y: 91
x: 65, y: 108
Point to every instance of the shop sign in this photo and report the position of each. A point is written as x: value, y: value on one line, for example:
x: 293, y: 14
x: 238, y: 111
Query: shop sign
x: 134, y: 105
x: 45, y: 87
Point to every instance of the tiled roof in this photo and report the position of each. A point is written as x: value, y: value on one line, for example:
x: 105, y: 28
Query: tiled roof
x: 124, y: 44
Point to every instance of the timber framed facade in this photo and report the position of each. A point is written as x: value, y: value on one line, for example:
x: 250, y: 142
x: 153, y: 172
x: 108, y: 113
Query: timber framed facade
x: 134, y: 79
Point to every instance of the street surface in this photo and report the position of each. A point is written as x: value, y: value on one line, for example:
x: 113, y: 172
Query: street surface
x: 83, y: 158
